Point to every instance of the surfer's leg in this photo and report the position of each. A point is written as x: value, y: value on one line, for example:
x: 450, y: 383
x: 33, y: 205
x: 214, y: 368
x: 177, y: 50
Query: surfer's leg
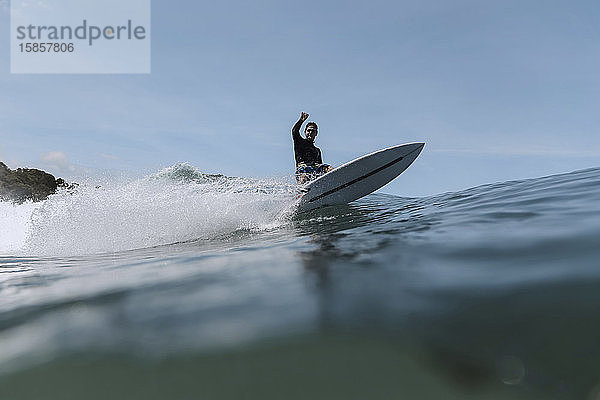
x: 302, y: 174
x: 301, y: 178
x: 323, y: 169
x: 307, y: 173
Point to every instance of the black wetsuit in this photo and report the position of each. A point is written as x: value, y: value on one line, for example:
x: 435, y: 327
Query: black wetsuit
x: 306, y: 152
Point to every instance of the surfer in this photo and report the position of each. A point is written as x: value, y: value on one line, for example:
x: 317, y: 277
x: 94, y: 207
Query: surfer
x: 309, y: 164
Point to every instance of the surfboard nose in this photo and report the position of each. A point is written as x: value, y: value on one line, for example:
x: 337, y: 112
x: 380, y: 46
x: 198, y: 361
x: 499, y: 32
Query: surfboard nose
x: 417, y: 146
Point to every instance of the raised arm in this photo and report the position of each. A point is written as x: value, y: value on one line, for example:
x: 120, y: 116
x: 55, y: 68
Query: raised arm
x: 296, y: 128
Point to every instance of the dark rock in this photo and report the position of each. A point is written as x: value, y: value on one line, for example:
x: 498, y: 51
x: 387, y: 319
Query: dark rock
x: 60, y: 183
x: 27, y: 184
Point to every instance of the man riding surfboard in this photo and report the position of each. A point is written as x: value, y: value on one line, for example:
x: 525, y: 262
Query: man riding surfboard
x: 309, y: 164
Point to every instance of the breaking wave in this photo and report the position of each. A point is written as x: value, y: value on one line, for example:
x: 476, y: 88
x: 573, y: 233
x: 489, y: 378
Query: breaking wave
x: 176, y: 204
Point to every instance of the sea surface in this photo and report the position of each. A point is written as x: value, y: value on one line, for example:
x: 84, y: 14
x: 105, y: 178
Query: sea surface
x: 182, y: 285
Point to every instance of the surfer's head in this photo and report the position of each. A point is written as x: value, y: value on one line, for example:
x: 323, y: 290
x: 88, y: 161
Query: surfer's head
x: 311, y: 131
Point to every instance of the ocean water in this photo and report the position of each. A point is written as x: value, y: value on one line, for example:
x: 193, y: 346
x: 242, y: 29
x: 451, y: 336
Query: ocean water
x: 182, y: 285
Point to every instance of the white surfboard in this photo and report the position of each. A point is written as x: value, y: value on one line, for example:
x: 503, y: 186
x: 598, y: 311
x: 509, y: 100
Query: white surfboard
x: 358, y: 177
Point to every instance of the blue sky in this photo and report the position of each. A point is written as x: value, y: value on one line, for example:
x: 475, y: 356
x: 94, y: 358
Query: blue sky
x: 498, y: 90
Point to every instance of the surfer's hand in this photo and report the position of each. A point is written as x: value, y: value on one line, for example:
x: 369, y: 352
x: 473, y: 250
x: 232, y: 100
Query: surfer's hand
x: 304, y: 116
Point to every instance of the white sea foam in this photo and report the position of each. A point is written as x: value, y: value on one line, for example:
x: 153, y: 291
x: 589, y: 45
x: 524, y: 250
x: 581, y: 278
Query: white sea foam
x: 14, y: 225
x: 176, y: 204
